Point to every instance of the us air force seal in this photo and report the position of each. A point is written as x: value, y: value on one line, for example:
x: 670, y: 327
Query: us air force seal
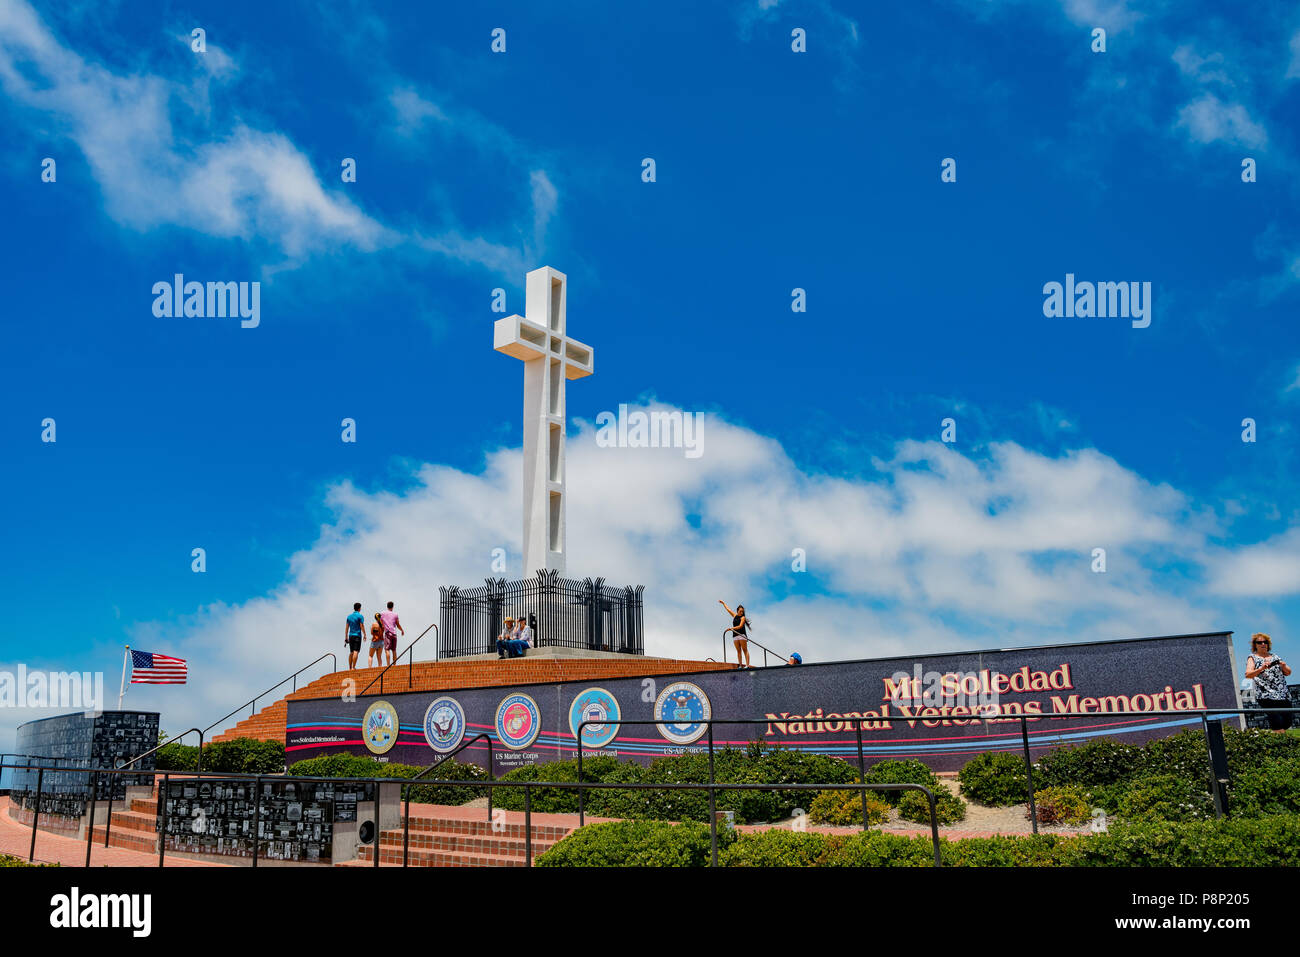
x: 686, y: 706
x: 594, y: 705
x: 444, y: 724
x: 379, y: 727
x: 518, y: 721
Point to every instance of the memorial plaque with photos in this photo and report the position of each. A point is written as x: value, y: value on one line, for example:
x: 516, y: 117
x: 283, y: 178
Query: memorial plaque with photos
x: 82, y: 740
x: 292, y: 820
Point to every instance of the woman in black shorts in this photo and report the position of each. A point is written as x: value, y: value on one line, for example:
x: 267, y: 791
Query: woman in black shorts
x: 739, y: 632
x: 1269, y: 672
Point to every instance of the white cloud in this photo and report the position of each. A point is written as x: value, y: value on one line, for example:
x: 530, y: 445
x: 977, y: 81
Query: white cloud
x: 1207, y: 69
x: 1208, y: 119
x: 935, y: 550
x: 413, y: 111
x: 244, y: 185
x: 545, y: 200
x: 1113, y: 15
x: 1270, y: 568
x: 240, y: 183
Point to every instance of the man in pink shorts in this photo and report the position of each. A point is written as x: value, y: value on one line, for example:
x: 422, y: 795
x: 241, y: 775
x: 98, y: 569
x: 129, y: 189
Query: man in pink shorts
x: 392, y: 625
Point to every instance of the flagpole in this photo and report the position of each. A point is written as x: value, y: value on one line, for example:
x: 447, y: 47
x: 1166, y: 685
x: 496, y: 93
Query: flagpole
x: 121, y: 688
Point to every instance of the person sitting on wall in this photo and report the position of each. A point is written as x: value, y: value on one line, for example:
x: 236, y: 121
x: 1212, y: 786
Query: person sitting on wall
x: 523, y: 635
x: 1269, y: 672
x: 503, y: 639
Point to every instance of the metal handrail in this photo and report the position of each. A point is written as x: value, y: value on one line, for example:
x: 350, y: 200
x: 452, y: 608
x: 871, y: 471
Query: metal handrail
x: 410, y: 682
x: 527, y: 786
x: 253, y: 701
x: 406, y: 792
x: 108, y: 821
x: 748, y: 638
x: 1205, y: 715
x: 862, y: 764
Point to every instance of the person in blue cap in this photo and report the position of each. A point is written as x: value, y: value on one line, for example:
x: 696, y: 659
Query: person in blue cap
x: 795, y: 658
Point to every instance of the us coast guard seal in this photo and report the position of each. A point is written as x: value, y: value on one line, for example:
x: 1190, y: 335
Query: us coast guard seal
x: 379, y: 728
x: 444, y: 724
x: 685, y: 705
x: 518, y: 721
x: 594, y: 705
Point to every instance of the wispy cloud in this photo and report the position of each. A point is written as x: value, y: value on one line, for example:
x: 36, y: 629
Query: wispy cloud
x: 233, y: 181
x: 1208, y: 120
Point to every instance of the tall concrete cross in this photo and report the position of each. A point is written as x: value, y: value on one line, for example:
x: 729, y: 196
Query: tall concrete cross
x: 550, y: 357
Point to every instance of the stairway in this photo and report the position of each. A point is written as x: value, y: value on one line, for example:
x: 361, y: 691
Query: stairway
x: 268, y: 724
x: 134, y: 827
x: 446, y: 837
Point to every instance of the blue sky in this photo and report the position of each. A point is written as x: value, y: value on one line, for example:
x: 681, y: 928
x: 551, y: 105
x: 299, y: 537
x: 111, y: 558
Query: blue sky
x: 775, y: 170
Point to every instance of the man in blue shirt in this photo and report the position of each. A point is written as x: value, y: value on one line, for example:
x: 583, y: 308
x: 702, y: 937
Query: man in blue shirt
x: 353, y: 634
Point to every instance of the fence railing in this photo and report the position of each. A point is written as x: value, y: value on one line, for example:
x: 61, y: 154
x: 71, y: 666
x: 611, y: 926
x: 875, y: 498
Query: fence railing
x: 406, y: 792
x: 527, y: 786
x: 728, y: 637
x: 563, y: 612
x: 410, y: 665
x: 712, y: 787
x: 252, y: 702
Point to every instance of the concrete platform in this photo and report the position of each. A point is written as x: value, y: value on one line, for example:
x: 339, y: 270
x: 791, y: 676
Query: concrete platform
x: 555, y: 651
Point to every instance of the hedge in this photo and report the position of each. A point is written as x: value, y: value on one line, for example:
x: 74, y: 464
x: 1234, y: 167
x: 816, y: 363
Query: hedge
x: 758, y: 763
x: 237, y: 756
x: 1272, y: 841
x: 354, y: 766
x: 1163, y: 779
x: 634, y: 844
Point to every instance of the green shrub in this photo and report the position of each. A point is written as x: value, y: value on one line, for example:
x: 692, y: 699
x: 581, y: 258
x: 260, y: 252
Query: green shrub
x: 1272, y: 788
x: 948, y: 807
x: 354, y: 766
x: 1272, y: 841
x: 757, y: 763
x: 879, y: 849
x: 174, y: 756
x: 1100, y: 761
x: 1031, y: 850
x: 1254, y: 842
x: 244, y: 756
x: 909, y: 771
x: 238, y: 756
x: 1107, y: 796
x: 1165, y: 797
x: 1062, y: 805
x: 635, y: 844
x: 844, y: 808
x: 995, y: 779
x: 8, y: 860
x: 1257, y: 748
x: 777, y: 847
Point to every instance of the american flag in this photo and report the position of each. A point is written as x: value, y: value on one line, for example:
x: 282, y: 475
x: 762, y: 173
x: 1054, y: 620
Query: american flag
x: 151, y: 669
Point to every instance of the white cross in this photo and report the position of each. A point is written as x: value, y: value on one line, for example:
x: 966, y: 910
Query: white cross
x: 550, y: 357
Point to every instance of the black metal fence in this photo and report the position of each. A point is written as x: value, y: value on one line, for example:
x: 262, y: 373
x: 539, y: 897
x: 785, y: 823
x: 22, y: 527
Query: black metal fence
x: 1210, y: 720
x: 562, y: 612
x: 257, y: 845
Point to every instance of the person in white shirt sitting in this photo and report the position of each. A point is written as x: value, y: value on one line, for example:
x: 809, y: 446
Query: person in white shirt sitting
x: 523, y: 635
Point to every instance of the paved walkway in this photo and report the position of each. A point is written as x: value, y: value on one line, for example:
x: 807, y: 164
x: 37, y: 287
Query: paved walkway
x: 16, y: 839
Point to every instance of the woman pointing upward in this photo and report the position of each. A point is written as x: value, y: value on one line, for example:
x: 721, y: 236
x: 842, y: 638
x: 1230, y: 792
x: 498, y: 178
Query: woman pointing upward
x: 739, y: 632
